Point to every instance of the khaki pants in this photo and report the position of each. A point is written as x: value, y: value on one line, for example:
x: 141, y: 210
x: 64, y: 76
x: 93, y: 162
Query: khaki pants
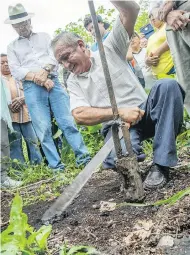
x: 179, y: 43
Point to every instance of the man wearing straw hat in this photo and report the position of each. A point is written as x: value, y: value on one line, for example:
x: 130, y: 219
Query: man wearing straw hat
x: 31, y: 61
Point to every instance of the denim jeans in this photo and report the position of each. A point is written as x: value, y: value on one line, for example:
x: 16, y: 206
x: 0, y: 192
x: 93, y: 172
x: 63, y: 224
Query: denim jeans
x: 40, y: 102
x: 26, y: 131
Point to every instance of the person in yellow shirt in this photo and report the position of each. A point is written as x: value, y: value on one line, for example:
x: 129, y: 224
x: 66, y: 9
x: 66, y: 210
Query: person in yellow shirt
x: 158, y: 55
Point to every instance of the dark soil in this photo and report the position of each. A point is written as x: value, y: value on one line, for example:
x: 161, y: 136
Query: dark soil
x: 125, y: 230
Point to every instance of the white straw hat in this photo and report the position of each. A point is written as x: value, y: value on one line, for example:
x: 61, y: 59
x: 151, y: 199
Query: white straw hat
x: 17, y: 14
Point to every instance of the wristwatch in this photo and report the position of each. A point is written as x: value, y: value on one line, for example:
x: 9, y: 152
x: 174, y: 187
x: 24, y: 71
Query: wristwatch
x: 47, y: 68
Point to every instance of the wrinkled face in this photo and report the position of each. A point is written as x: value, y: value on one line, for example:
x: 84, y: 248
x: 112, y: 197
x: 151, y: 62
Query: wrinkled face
x: 90, y: 28
x: 73, y: 59
x: 23, y: 28
x: 135, y: 42
x: 154, y: 19
x: 4, y: 66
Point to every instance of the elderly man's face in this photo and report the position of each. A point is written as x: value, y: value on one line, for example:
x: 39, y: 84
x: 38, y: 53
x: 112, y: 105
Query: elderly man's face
x: 73, y: 59
x: 23, y: 28
x: 4, y: 66
x: 90, y: 29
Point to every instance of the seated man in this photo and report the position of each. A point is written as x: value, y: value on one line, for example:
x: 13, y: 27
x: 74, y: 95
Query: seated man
x: 21, y: 122
x: 159, y: 116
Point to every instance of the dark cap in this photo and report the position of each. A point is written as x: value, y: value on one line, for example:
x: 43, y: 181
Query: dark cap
x: 88, y: 20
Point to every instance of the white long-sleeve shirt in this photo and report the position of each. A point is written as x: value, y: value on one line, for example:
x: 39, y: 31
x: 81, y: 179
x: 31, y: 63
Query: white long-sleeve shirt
x: 30, y: 55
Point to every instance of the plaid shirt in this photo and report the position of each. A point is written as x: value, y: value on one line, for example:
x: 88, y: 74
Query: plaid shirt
x: 16, y: 90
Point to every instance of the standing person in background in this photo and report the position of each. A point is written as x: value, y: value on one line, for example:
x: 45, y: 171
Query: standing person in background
x: 6, y: 181
x: 21, y: 122
x: 158, y: 54
x: 135, y: 67
x: 177, y: 16
x: 31, y: 61
x: 139, y: 54
x: 103, y: 27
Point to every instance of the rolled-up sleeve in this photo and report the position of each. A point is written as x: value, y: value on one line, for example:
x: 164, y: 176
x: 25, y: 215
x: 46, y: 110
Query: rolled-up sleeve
x: 118, y: 39
x: 77, y: 98
x: 17, y: 71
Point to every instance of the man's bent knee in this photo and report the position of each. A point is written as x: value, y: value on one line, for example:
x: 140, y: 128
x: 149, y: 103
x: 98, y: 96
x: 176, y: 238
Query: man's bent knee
x: 167, y: 85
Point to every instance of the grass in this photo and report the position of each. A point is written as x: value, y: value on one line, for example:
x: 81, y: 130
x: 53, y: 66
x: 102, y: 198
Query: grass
x: 40, y: 183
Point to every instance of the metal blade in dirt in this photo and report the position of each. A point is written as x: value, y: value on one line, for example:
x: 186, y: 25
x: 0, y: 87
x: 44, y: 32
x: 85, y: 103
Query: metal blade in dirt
x: 68, y: 195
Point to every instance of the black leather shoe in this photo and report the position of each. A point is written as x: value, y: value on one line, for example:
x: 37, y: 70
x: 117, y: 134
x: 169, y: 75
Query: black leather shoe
x: 157, y: 177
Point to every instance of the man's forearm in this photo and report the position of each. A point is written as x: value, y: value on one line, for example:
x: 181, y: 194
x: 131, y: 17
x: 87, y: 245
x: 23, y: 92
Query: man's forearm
x: 90, y: 116
x: 128, y: 11
x: 167, y: 7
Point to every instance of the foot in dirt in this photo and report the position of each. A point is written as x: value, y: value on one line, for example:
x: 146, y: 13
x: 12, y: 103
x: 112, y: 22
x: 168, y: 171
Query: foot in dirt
x: 157, y: 177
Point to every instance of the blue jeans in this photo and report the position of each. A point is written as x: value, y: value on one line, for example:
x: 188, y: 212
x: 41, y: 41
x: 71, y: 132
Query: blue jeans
x: 27, y: 131
x: 40, y: 102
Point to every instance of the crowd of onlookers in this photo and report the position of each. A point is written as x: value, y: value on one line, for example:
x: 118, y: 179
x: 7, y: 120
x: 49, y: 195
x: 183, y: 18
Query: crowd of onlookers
x: 32, y: 94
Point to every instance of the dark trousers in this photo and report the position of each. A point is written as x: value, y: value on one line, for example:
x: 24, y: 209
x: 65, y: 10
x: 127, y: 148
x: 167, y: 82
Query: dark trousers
x: 162, y: 120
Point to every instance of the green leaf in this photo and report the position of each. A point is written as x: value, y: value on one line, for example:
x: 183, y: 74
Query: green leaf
x: 14, y: 238
x: 10, y: 248
x: 173, y: 199
x: 58, y: 134
x: 94, y: 129
x: 42, y: 235
x: 80, y: 250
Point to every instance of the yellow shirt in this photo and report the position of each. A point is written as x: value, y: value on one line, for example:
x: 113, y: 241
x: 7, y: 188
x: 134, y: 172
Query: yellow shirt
x: 166, y: 63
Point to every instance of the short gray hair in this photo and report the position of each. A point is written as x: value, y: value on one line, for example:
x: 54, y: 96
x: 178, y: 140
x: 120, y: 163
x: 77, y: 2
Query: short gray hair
x: 154, y: 5
x: 68, y: 39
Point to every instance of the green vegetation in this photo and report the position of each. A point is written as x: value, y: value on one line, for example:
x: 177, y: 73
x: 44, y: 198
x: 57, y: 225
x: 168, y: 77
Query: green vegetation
x: 40, y: 183
x: 20, y: 237
x: 78, y: 250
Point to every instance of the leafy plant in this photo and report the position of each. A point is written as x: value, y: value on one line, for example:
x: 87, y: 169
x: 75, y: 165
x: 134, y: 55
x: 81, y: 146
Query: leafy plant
x: 78, y: 250
x: 19, y: 237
